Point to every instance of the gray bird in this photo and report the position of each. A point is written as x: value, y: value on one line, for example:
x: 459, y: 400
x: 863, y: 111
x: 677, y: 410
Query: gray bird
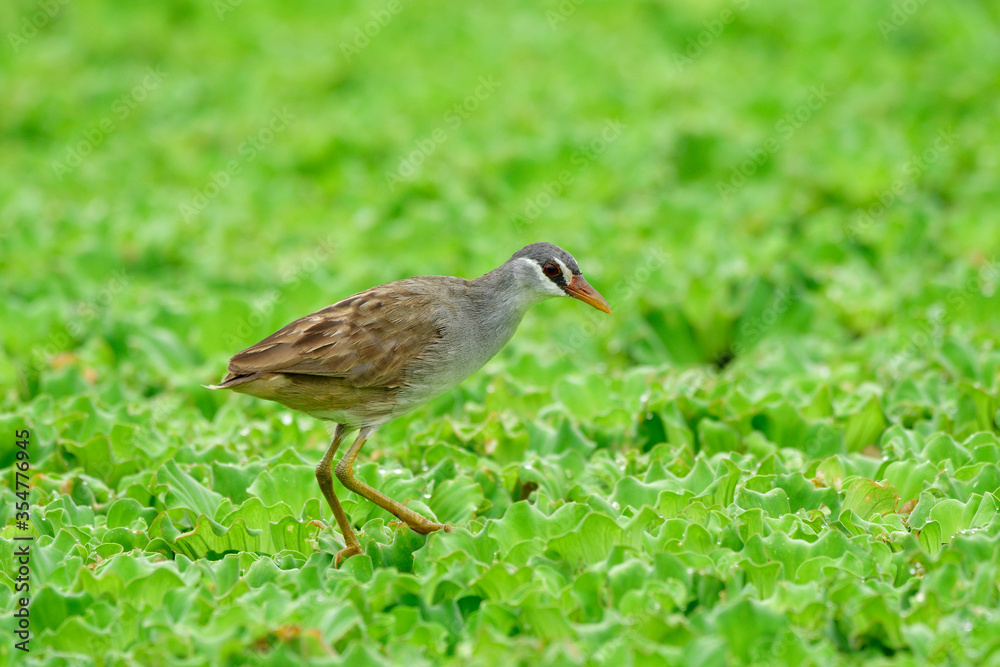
x: 383, y: 352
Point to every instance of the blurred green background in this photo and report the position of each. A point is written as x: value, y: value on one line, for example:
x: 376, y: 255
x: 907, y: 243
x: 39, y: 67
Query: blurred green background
x: 761, y: 190
x: 750, y: 146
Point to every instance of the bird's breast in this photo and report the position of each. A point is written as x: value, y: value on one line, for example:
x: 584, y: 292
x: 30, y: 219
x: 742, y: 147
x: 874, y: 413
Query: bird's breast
x: 468, y: 340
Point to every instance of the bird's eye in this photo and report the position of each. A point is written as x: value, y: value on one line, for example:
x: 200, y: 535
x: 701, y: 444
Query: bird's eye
x: 551, y: 270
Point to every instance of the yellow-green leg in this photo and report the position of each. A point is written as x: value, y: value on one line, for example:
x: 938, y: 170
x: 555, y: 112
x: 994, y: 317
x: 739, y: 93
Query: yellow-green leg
x: 344, y: 473
x: 325, y: 479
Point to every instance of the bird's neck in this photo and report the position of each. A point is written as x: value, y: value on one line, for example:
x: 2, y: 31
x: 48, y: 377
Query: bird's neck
x: 502, y: 301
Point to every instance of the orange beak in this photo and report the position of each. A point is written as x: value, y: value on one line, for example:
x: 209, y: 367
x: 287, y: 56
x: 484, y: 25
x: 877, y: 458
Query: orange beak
x: 579, y: 288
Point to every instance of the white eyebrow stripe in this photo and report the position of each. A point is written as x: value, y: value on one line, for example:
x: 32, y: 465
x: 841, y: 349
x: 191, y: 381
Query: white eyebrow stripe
x: 547, y: 283
x: 567, y: 274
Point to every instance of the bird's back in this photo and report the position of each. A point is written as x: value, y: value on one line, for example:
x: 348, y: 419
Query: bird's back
x: 351, y: 360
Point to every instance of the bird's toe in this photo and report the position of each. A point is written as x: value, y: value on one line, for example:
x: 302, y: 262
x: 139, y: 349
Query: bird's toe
x: 428, y: 527
x: 344, y: 554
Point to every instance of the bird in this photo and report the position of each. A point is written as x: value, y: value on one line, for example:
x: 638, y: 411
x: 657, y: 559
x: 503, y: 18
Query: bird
x: 374, y: 356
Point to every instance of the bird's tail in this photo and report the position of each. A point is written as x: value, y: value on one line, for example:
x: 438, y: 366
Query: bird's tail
x: 232, y: 380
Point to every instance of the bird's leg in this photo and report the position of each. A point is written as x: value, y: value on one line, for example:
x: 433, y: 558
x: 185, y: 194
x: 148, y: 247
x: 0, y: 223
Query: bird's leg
x: 325, y: 478
x: 344, y: 473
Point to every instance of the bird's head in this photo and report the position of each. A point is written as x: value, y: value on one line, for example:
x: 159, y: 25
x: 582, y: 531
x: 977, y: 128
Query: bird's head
x: 548, y: 270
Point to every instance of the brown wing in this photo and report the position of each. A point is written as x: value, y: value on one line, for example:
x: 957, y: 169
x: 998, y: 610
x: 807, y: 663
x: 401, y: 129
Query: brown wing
x: 368, y: 339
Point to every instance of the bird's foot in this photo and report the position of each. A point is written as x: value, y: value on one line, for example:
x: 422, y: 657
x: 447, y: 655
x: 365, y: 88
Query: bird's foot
x: 428, y: 527
x: 347, y: 552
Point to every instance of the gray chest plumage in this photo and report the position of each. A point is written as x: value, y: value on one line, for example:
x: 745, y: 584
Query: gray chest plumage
x: 474, y: 325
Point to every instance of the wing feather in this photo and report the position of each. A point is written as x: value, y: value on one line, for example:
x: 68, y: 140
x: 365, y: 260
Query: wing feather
x: 368, y: 339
